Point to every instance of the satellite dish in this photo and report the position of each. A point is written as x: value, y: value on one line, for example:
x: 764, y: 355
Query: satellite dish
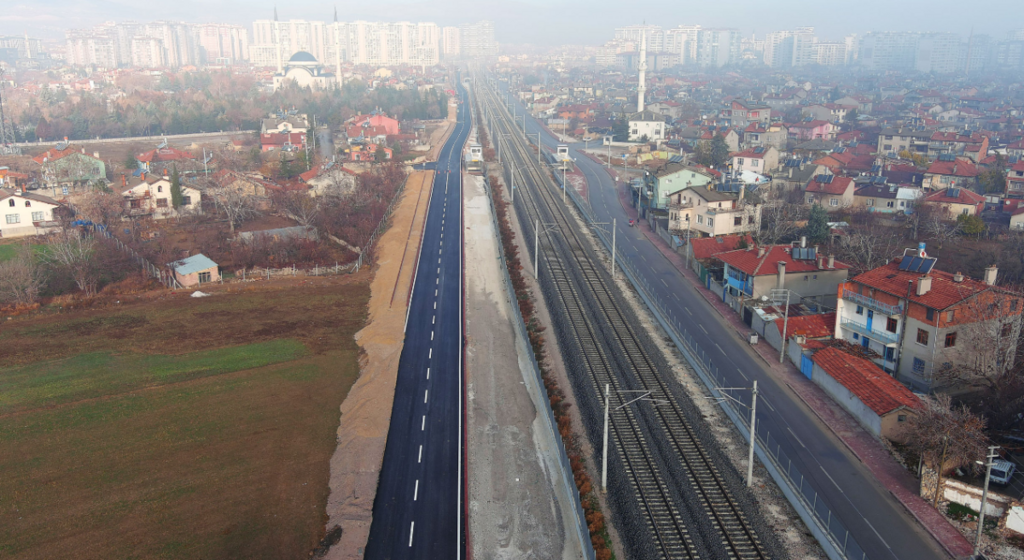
x: 764, y: 298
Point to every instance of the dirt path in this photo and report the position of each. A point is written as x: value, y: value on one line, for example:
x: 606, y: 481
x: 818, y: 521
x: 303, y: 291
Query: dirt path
x: 366, y: 413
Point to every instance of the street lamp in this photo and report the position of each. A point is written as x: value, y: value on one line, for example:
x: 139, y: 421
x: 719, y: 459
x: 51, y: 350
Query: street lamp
x: 644, y: 394
x: 984, y: 494
x: 753, y: 422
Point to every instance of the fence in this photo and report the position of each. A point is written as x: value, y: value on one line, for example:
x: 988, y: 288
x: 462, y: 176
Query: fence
x: 165, y: 277
x: 536, y: 384
x: 381, y: 226
x: 826, y: 528
x: 257, y: 273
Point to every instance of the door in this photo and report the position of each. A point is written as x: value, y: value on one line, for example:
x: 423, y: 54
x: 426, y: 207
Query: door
x: 864, y: 341
x: 871, y: 315
x: 806, y: 366
x: 748, y: 316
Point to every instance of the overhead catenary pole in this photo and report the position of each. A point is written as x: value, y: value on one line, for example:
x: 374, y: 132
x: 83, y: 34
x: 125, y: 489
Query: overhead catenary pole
x: 614, y: 227
x: 604, y: 446
x: 536, y: 246
x: 984, y: 496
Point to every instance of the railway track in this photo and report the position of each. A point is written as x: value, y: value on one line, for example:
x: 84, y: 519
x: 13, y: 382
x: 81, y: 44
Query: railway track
x: 687, y: 504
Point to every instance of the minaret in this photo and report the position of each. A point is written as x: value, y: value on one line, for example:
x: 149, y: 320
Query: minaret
x: 641, y: 88
x: 337, y: 48
x: 277, y: 41
x: 28, y: 49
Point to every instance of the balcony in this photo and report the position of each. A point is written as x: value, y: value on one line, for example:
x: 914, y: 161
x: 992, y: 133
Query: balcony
x: 885, y: 337
x: 871, y: 303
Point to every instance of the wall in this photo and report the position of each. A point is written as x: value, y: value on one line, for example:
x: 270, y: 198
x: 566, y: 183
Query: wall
x: 864, y: 415
x: 968, y: 495
x: 1015, y: 519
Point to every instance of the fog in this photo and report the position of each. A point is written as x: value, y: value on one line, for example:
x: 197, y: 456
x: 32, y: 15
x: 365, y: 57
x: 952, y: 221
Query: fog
x: 552, y: 22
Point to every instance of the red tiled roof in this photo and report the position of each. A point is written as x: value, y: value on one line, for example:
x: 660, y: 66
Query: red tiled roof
x: 875, y: 388
x: 54, y: 154
x: 944, y: 292
x: 282, y: 138
x: 707, y: 247
x: 965, y: 196
x: 747, y: 261
x: 837, y: 186
x: 811, y: 326
x: 1019, y: 166
x: 752, y: 153
x: 962, y: 167
x: 809, y: 124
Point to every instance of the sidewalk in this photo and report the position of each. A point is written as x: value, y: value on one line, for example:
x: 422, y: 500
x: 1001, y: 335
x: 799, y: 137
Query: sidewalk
x: 900, y: 483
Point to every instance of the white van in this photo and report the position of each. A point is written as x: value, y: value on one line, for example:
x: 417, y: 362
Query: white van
x: 1002, y: 471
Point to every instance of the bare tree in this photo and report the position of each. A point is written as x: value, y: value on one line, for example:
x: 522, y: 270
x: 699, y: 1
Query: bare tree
x: 935, y: 222
x: 21, y: 277
x: 868, y: 247
x: 945, y: 437
x: 982, y: 340
x: 778, y: 220
x: 299, y: 206
x: 73, y: 251
x: 102, y: 207
x: 236, y: 205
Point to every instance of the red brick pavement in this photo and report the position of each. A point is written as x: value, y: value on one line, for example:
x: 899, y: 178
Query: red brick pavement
x: 900, y: 483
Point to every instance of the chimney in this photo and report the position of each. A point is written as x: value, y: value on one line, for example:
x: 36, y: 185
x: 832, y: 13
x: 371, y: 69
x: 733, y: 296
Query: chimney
x: 96, y: 155
x: 781, y: 282
x: 803, y: 241
x: 760, y: 252
x: 831, y: 261
x: 990, y: 275
x: 83, y: 150
x: 790, y: 172
x: 821, y: 262
x: 958, y: 277
x: 924, y: 285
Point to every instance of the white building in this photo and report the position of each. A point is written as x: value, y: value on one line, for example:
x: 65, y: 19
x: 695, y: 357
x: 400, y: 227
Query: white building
x: 25, y: 213
x: 305, y: 71
x: 451, y: 46
x: 152, y: 196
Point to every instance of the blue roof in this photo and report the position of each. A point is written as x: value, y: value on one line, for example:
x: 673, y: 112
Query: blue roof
x: 195, y: 263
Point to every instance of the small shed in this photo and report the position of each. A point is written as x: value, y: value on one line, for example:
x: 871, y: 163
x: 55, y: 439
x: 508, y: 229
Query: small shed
x: 195, y: 270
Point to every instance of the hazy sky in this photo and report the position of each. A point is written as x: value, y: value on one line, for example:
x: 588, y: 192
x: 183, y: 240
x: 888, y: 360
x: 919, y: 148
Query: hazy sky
x: 548, y: 22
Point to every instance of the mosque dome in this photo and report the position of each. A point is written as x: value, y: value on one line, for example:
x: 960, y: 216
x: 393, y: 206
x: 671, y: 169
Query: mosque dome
x: 303, y: 56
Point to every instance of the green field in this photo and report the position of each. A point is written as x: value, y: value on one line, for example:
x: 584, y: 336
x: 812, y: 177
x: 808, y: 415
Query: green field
x: 7, y: 250
x: 175, y: 428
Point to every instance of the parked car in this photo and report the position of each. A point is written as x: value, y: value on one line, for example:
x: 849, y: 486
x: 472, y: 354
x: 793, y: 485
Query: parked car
x: 1002, y: 471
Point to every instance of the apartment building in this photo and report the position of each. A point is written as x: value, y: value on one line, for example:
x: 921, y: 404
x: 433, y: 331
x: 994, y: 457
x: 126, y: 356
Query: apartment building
x: 919, y: 320
x: 755, y: 272
x: 706, y: 212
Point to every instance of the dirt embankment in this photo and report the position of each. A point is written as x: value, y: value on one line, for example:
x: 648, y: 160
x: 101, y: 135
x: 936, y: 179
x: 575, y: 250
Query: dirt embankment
x: 366, y: 412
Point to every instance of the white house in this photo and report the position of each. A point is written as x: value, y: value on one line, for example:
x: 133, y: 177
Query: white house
x: 646, y: 124
x: 152, y: 196
x: 26, y: 213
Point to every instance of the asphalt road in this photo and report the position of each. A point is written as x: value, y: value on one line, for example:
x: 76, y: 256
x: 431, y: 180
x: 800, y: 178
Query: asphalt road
x: 418, y: 510
x: 877, y: 521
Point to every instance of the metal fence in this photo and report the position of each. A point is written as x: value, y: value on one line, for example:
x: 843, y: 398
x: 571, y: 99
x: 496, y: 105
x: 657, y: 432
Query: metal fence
x: 537, y: 386
x: 826, y: 527
x: 165, y: 277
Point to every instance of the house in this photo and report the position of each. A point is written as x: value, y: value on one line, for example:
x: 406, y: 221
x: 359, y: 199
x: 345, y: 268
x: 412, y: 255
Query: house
x: 195, y: 271
x: 951, y: 171
x: 26, y: 213
x: 796, y: 174
x: 700, y: 250
x: 885, y: 198
x: 245, y: 184
x: 368, y: 153
x: 830, y: 191
x: 828, y: 112
x: 284, y: 141
x: 151, y: 195
x: 813, y: 129
x: 760, y: 134
x: 894, y: 141
x: 671, y: 177
x: 816, y: 326
x: 646, y: 126
x: 1017, y: 219
x: 1015, y: 181
x: 920, y: 320
x: 158, y: 159
x: 957, y: 201
x: 12, y: 179
x: 329, y: 179
x: 1015, y: 149
x: 706, y: 212
x: 755, y: 272
x: 694, y: 135
x: 757, y: 159
x: 284, y: 123
x: 742, y: 113
x: 66, y: 168
x: 879, y: 403
x: 388, y: 125
x: 671, y: 110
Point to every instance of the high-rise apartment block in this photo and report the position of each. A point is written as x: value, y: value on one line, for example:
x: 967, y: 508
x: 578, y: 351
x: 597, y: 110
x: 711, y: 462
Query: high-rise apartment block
x: 173, y: 44
x: 477, y: 40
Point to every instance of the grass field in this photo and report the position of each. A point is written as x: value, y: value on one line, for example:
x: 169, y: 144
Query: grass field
x: 175, y: 427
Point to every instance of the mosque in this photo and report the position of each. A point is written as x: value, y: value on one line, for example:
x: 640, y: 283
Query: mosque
x: 304, y: 69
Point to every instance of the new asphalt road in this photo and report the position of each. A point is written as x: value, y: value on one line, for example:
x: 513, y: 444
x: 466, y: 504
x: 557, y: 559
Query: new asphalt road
x: 876, y: 520
x: 418, y: 510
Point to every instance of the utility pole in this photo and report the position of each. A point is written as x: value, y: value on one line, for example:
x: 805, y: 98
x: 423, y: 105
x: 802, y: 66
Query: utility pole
x: 984, y: 494
x: 536, y: 247
x: 604, y: 445
x: 614, y: 227
x: 538, y: 139
x: 563, y: 182
x: 753, y: 435
x: 785, y: 323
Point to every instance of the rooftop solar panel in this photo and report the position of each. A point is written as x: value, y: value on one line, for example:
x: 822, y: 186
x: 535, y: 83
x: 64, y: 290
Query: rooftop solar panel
x: 927, y: 265
x: 904, y: 263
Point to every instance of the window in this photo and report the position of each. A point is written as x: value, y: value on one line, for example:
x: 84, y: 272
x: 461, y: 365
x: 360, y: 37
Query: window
x: 1006, y: 330
x: 833, y: 202
x: 869, y: 202
x: 890, y: 204
x: 11, y: 202
x: 750, y: 220
x: 755, y: 162
x: 700, y: 219
x: 922, y: 337
x: 887, y: 147
x: 890, y: 354
x: 13, y: 219
x: 37, y: 216
x: 161, y: 203
x: 929, y: 314
x: 860, y: 310
x: 949, y: 315
x: 918, y: 365
x: 950, y: 340
x: 739, y: 161
x: 890, y: 324
x: 966, y: 211
x: 186, y: 201
x: 856, y: 336
x: 204, y: 277
x: 711, y: 222
x: 815, y: 277
x: 135, y: 203
x: 737, y: 221
x: 901, y: 417
x: 159, y: 188
x: 28, y: 203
